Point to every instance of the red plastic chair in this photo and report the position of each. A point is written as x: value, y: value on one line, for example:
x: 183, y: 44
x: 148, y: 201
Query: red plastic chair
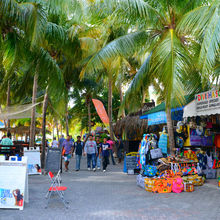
x: 57, y: 188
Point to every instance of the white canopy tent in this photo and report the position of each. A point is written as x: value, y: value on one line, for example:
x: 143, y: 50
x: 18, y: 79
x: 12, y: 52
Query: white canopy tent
x: 190, y: 111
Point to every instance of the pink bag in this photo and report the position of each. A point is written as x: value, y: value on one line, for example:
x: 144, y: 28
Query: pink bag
x: 178, y: 185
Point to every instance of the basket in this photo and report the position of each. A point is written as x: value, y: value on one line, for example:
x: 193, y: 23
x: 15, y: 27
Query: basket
x: 188, y: 187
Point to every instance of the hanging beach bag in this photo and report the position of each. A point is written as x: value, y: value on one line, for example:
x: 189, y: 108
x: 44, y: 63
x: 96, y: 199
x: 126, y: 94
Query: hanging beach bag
x: 156, y: 153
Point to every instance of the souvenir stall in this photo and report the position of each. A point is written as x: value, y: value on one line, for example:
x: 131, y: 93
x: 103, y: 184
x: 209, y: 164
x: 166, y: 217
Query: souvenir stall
x: 202, y: 118
x: 196, y: 158
x: 166, y: 174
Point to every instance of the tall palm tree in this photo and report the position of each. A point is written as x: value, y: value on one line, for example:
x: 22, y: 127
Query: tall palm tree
x: 169, y: 52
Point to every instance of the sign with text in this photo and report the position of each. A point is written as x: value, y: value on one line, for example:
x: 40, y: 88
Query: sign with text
x: 34, y: 163
x: 207, y: 100
x: 157, y: 118
x: 53, y: 159
x: 13, y: 183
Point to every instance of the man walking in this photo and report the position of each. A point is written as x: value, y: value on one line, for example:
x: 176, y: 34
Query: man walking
x: 105, y: 154
x: 61, y: 140
x: 78, y: 148
x: 98, y: 158
x: 91, y: 151
x: 119, y: 146
x: 111, y: 143
x: 68, y: 151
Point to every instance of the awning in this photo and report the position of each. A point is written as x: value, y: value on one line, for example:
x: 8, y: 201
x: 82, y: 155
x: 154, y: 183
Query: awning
x: 190, y: 111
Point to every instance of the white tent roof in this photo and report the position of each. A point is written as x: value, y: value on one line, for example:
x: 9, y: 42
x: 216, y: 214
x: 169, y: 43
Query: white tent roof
x: 190, y: 111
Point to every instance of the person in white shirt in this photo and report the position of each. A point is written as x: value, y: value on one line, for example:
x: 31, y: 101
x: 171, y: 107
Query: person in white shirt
x: 55, y: 143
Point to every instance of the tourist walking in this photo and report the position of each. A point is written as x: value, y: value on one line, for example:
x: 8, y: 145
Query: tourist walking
x: 61, y: 140
x: 119, y: 146
x: 55, y: 143
x: 91, y: 151
x: 105, y: 154
x: 67, y: 151
x: 111, y: 143
x: 98, y: 158
x: 78, y: 148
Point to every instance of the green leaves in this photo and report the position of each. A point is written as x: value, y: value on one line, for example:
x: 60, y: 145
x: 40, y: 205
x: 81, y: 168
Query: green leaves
x: 140, y: 82
x: 169, y: 61
x: 123, y: 46
x: 203, y: 23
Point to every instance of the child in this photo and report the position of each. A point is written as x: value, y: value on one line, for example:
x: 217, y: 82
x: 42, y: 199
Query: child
x: 105, y: 154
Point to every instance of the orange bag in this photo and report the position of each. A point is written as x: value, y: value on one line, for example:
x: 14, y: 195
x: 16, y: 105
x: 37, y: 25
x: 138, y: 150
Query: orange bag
x: 63, y: 152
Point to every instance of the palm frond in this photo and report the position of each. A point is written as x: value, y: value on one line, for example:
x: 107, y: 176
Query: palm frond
x: 123, y: 46
x: 170, y: 61
x: 140, y: 82
x: 211, y: 43
x: 55, y: 34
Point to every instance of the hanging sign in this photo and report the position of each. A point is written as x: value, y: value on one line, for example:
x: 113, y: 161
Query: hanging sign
x: 157, y: 118
x: 34, y: 163
x: 13, y: 183
x: 207, y: 100
x: 101, y: 111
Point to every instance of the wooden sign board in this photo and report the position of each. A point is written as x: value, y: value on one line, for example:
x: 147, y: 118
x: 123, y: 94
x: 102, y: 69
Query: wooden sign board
x: 53, y: 159
x: 33, y: 160
x: 13, y: 183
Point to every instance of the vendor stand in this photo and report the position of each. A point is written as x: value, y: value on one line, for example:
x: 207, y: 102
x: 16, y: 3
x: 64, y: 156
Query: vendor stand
x: 197, y: 140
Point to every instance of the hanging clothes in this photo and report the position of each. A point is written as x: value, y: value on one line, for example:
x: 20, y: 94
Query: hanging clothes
x: 162, y: 144
x: 209, y: 161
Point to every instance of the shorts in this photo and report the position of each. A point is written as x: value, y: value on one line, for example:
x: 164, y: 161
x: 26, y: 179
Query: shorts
x: 67, y: 157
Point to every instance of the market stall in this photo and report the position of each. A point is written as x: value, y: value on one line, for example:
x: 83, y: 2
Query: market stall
x: 197, y: 147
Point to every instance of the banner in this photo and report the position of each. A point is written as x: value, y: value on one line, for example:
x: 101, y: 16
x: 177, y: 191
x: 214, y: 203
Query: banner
x: 101, y: 111
x: 13, y: 183
x: 34, y: 163
x: 157, y: 118
x: 207, y: 100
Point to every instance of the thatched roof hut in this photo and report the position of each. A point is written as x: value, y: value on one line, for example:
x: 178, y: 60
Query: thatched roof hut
x: 132, y: 127
x: 22, y: 130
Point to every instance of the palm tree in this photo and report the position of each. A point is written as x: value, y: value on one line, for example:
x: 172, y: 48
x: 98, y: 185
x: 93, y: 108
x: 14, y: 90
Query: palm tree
x: 169, y: 52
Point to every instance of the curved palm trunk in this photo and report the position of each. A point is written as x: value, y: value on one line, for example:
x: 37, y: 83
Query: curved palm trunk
x: 67, y: 120
x: 89, y: 114
x: 8, y: 103
x: 110, y: 107
x: 33, y: 119
x: 170, y: 131
x: 45, y: 103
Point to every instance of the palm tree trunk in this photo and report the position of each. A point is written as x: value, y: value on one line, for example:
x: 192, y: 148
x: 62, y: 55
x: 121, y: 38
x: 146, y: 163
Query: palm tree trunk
x: 67, y: 120
x: 170, y: 131
x: 57, y: 130
x: 45, y: 103
x: 89, y: 114
x: 110, y: 107
x: 32, y: 129
x: 8, y: 103
x: 121, y: 99
x: 53, y: 129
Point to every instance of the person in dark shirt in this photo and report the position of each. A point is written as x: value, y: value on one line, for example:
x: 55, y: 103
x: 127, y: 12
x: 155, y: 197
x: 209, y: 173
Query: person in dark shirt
x: 78, y: 147
x: 105, y: 154
x: 98, y: 158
